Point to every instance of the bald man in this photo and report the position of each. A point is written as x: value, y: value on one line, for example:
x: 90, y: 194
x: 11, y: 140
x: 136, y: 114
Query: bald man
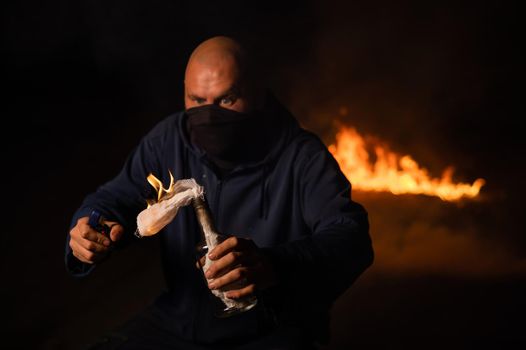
x: 296, y: 239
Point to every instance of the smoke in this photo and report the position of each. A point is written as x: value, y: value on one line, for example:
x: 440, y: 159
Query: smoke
x: 425, y: 249
x: 419, y: 235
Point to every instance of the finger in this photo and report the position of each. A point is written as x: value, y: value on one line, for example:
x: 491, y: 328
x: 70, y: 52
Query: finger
x: 77, y: 253
x: 81, y: 258
x: 82, y: 253
x: 237, y: 275
x: 86, y: 232
x: 241, y: 293
x: 232, y: 243
x: 200, y: 262
x: 224, y: 264
x: 100, y: 244
x: 91, y: 246
x: 83, y: 220
x: 116, y: 232
x: 223, y: 248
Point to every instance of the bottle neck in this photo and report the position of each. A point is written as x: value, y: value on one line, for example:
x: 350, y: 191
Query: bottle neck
x: 206, y: 222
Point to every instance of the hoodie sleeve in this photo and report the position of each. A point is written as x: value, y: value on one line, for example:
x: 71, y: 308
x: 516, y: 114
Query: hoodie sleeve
x: 122, y: 198
x: 338, y: 248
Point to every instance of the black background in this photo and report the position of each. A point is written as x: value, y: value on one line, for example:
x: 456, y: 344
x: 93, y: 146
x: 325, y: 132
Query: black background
x: 84, y: 80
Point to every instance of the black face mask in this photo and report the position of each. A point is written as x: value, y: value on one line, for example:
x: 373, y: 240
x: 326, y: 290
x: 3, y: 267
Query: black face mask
x: 228, y: 135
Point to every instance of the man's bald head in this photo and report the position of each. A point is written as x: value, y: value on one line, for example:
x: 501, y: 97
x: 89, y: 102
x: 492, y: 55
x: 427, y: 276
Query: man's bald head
x: 218, y: 50
x: 219, y: 72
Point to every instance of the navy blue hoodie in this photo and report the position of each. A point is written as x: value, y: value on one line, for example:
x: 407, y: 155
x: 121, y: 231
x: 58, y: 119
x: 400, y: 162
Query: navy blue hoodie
x: 295, y: 204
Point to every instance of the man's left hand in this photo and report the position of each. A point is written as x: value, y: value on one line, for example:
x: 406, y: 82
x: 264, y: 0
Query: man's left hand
x: 239, y: 262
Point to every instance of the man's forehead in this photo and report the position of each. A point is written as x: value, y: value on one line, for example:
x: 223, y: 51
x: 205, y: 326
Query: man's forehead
x: 209, y: 72
x: 201, y: 80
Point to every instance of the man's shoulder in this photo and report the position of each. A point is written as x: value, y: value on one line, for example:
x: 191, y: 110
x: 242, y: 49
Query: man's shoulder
x: 297, y: 140
x: 306, y: 144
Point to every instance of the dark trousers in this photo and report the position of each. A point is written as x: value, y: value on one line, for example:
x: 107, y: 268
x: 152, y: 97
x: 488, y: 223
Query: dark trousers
x: 146, y: 331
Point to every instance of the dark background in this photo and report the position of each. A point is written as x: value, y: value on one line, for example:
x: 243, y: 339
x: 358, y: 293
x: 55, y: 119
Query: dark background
x: 84, y: 80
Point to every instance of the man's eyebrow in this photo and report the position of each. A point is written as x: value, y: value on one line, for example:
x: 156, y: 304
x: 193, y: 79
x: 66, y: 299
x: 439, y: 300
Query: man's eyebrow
x: 195, y: 97
x: 233, y: 90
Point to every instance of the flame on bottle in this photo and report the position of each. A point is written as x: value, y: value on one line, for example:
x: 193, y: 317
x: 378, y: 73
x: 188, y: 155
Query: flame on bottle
x: 162, y: 193
x: 392, y: 172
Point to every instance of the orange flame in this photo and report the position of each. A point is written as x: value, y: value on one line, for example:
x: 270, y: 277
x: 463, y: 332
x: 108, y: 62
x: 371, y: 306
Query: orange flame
x: 393, y: 173
x: 162, y: 193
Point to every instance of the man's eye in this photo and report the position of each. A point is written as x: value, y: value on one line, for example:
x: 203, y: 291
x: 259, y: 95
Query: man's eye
x: 227, y: 101
x: 197, y: 100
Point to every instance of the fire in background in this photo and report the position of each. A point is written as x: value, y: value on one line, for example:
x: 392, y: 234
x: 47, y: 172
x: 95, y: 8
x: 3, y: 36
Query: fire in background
x: 391, y: 172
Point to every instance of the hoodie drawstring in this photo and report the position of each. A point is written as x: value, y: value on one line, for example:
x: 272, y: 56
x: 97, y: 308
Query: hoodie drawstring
x: 263, y: 204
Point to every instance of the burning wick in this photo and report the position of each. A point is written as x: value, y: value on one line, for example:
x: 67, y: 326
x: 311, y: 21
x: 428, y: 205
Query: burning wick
x: 162, y: 193
x: 162, y: 211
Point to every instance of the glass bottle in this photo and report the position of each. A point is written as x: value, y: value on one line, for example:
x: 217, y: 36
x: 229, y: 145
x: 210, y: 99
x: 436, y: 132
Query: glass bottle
x: 224, y: 307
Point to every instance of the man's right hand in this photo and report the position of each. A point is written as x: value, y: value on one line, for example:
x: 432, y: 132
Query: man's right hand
x: 90, y: 246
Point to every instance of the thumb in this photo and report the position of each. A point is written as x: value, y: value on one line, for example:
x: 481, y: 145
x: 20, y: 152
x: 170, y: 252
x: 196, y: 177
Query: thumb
x: 116, y: 232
